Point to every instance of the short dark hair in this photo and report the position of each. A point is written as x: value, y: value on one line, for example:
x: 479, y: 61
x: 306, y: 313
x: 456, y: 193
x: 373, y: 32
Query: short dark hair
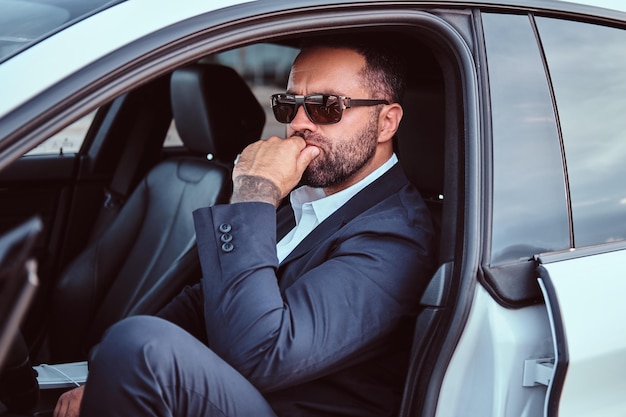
x: 385, y: 67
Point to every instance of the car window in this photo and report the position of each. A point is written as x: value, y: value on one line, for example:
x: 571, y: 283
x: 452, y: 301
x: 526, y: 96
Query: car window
x: 70, y: 139
x: 529, y: 200
x: 265, y: 67
x: 67, y: 141
x: 587, y: 64
x: 172, y: 138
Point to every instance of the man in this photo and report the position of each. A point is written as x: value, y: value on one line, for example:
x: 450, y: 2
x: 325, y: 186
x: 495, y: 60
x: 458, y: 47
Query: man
x: 318, y: 324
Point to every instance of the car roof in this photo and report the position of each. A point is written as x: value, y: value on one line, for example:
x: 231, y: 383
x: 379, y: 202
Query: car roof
x: 108, y: 25
x: 25, y: 22
x: 607, y: 4
x: 88, y: 39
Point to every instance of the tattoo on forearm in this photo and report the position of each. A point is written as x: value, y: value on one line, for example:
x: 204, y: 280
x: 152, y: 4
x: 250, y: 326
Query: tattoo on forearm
x: 252, y: 188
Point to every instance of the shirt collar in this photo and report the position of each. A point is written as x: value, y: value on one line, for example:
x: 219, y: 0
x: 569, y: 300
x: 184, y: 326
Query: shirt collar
x: 324, y: 205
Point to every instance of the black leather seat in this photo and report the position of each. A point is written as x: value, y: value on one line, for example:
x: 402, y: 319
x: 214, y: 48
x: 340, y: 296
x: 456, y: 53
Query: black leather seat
x: 147, y: 254
x: 420, y: 145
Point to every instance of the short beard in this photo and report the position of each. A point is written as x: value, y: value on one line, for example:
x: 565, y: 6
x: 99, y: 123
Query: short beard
x: 342, y: 159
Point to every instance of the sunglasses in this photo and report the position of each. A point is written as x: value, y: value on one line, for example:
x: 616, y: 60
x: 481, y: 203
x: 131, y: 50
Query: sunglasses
x: 321, y: 109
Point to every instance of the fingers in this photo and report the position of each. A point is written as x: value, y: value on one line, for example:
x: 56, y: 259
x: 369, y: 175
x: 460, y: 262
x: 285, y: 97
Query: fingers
x: 307, y: 155
x: 279, y: 161
x: 68, y: 404
x: 60, y: 410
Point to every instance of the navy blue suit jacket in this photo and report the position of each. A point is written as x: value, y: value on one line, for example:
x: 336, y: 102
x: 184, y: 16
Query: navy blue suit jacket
x: 326, y: 332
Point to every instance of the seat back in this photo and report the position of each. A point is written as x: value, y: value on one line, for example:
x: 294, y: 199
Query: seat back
x: 420, y: 147
x: 147, y: 254
x: 215, y: 111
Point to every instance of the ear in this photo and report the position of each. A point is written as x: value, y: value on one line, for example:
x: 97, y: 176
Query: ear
x: 388, y: 121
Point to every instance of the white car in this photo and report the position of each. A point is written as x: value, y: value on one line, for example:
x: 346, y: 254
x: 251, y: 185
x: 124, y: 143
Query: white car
x: 514, y: 132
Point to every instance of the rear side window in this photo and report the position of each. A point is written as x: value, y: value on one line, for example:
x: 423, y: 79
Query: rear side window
x: 587, y: 64
x: 529, y: 198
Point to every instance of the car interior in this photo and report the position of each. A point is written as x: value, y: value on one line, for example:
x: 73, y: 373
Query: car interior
x: 118, y: 236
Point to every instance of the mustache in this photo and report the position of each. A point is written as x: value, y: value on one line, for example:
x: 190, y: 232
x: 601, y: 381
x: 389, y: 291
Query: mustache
x: 311, y: 137
x: 315, y: 139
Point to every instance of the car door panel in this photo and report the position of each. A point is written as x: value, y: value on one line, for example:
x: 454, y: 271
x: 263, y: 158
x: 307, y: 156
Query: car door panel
x: 584, y: 296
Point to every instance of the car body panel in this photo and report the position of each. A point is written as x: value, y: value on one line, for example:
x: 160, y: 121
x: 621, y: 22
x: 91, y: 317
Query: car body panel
x: 484, y: 377
x: 584, y: 294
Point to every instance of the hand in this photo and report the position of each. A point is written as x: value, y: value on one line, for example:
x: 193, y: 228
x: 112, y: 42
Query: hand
x: 268, y: 170
x: 68, y: 404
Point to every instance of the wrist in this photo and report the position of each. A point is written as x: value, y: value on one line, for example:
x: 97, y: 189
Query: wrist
x: 249, y: 188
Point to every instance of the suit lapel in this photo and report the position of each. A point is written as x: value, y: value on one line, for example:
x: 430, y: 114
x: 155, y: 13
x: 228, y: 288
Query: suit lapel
x: 285, y: 221
x: 385, y: 186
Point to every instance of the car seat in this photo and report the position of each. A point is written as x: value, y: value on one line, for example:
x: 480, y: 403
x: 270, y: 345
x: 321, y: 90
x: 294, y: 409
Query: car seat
x: 147, y: 254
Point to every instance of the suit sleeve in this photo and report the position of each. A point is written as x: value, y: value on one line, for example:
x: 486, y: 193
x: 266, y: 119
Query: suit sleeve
x: 335, y: 314
x: 186, y: 311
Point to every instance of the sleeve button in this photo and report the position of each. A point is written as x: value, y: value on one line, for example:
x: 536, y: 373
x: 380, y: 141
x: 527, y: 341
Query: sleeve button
x: 227, y: 247
x: 225, y: 228
x: 226, y: 237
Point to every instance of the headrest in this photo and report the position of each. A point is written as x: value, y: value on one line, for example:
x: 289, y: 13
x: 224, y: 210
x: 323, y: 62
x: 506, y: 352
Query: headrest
x: 215, y: 111
x: 421, y: 142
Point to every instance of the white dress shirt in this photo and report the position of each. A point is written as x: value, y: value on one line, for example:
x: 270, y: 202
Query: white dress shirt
x: 311, y: 206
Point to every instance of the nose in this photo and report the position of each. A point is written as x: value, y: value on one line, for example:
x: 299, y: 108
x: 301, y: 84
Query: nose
x: 301, y: 121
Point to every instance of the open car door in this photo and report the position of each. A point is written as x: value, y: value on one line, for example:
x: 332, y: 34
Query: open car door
x: 584, y: 292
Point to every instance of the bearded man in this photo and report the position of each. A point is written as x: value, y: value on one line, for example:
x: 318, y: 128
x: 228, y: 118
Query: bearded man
x: 304, y: 311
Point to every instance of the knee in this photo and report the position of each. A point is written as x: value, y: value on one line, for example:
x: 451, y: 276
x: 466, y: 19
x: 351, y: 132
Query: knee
x: 134, y: 338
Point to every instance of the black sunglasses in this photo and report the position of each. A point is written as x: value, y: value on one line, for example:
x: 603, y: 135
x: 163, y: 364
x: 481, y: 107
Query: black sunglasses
x: 321, y: 109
